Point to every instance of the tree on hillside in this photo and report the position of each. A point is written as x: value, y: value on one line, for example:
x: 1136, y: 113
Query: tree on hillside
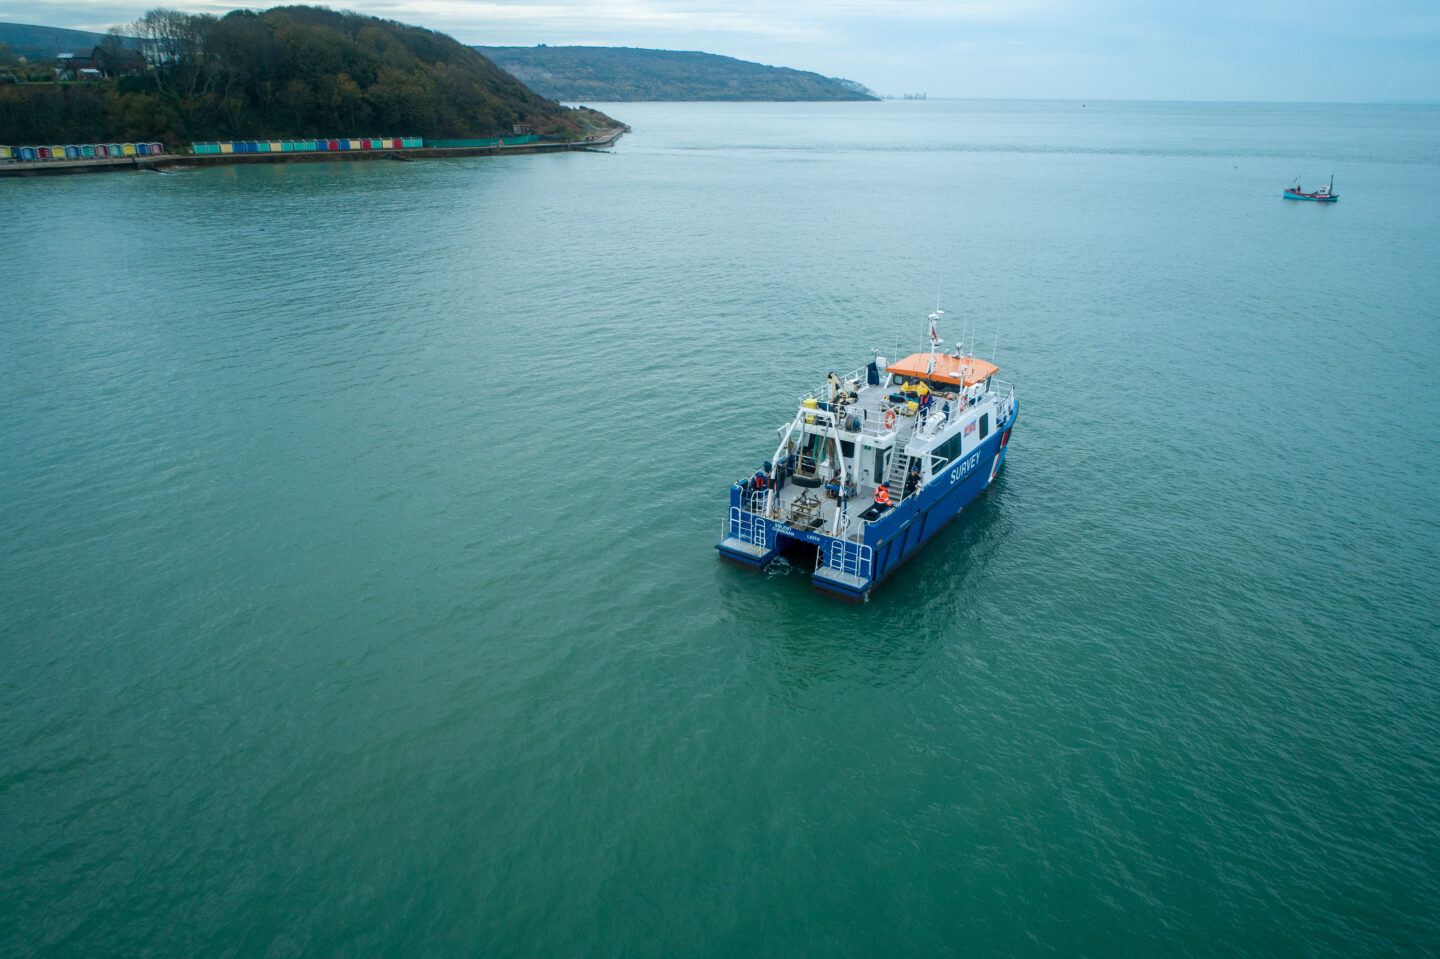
x: 111, y: 52
x: 289, y: 72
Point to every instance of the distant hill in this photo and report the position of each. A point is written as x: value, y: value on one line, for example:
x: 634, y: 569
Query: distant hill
x: 289, y: 72
x: 36, y: 42
x: 599, y: 74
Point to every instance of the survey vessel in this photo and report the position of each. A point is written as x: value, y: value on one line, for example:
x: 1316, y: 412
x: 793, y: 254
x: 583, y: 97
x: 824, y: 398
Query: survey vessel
x: 872, y: 465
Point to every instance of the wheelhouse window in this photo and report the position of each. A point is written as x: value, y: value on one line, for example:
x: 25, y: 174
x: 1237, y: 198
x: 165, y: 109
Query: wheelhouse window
x: 950, y: 448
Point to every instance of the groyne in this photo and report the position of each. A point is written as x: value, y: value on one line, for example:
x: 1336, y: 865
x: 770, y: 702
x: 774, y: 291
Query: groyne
x: 166, y: 161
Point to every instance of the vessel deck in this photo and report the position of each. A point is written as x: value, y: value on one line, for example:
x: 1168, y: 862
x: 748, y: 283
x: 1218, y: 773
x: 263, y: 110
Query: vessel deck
x: 803, y: 506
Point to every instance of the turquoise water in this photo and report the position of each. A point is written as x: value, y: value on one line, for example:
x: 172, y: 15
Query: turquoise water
x: 359, y: 597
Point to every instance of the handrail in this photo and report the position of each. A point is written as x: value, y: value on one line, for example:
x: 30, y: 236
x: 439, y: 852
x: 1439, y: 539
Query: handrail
x: 854, y: 559
x: 859, y: 375
x: 877, y: 427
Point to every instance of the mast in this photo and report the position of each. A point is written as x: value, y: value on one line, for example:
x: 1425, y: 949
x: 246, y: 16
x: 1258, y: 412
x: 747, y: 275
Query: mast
x: 934, y: 338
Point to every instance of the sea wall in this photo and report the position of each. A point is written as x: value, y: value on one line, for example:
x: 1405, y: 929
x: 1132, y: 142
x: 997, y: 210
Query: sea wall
x: 29, y: 161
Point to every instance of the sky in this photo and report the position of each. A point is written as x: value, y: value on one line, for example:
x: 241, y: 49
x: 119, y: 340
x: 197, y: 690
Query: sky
x: 1268, y: 50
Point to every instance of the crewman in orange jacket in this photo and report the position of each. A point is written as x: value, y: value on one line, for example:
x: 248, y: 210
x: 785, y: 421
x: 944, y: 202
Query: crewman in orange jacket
x: 882, y: 495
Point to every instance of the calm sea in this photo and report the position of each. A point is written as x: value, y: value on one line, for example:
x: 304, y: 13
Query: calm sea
x: 357, y: 591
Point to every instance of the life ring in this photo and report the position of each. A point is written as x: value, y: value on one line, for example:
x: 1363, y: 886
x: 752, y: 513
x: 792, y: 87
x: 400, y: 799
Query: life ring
x: 889, y: 418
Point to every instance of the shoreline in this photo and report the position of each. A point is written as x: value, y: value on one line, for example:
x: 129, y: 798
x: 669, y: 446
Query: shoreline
x: 170, y: 160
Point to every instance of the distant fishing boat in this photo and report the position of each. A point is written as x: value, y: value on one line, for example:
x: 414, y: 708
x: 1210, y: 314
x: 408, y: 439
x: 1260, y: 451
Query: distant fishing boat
x: 1324, y: 194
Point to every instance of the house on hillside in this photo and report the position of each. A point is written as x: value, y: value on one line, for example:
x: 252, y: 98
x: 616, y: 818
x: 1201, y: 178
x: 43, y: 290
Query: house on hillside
x: 93, y: 63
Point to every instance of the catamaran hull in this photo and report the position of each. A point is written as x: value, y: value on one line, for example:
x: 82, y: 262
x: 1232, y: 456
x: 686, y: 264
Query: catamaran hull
x: 850, y: 571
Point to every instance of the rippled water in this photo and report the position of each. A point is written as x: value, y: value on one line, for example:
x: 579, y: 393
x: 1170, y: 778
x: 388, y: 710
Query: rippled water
x: 356, y: 525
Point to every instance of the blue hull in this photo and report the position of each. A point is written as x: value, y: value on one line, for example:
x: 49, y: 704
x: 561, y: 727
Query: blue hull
x: 853, y: 571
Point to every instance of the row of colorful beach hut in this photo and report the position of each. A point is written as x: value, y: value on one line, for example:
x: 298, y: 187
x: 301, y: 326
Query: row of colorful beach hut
x: 306, y: 146
x: 103, y: 151
x: 89, y: 151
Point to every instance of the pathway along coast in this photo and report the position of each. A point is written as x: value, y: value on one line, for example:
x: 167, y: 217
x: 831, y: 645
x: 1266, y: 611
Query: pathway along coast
x: 169, y: 160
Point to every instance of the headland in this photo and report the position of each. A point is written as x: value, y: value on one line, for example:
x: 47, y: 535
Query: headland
x: 271, y: 81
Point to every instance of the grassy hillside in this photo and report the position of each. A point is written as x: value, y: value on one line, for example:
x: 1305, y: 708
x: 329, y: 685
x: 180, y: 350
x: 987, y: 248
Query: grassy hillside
x: 591, y: 74
x: 288, y: 72
x: 32, y: 41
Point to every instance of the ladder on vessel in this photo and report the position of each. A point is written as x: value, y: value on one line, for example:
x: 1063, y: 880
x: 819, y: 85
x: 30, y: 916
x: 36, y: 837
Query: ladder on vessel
x: 895, y: 478
x: 747, y: 527
x: 850, y: 557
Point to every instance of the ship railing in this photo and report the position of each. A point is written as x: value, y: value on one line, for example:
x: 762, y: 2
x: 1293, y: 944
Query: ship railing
x: 822, y: 392
x: 870, y: 425
x: 1004, y: 394
x: 815, y: 416
x: 851, y: 527
x: 753, y: 500
x: 876, y: 427
x: 745, y: 526
x: 848, y: 556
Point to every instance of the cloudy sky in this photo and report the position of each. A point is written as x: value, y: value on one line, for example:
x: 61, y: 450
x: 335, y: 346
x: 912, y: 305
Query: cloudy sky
x: 1325, y: 50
